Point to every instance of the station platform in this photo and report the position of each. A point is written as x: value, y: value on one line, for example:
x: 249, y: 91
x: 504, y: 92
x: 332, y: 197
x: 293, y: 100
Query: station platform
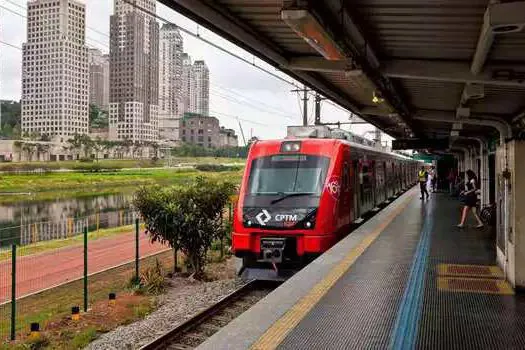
x: 407, y: 278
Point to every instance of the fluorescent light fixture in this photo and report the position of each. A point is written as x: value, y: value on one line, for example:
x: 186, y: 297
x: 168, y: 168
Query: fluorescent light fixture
x: 377, y: 98
x: 307, y: 27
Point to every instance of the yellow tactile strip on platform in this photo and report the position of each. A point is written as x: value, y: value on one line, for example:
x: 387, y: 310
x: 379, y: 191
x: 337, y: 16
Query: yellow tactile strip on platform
x: 474, y: 285
x: 482, y: 271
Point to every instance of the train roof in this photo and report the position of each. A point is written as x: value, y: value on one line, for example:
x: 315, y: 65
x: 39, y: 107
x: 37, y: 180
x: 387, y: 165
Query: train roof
x: 341, y: 141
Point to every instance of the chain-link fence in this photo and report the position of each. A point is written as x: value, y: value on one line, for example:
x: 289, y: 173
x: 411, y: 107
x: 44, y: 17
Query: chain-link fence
x: 46, y: 268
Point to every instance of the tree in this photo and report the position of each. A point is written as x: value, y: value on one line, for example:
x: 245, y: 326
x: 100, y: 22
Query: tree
x: 11, y: 113
x: 87, y: 145
x: 80, y: 142
x: 41, y: 148
x: 126, y: 145
x: 136, y: 147
x: 98, y: 146
x: 187, y: 218
x: 30, y: 148
x: 98, y: 118
x: 75, y: 144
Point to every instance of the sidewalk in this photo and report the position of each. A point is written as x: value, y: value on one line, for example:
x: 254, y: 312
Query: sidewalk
x: 48, y: 269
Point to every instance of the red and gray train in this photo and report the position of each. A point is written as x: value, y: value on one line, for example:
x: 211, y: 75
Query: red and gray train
x: 298, y: 197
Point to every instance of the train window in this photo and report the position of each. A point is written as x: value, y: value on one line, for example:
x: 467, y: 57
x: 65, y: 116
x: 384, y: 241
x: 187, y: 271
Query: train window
x: 288, y: 174
x: 365, y: 176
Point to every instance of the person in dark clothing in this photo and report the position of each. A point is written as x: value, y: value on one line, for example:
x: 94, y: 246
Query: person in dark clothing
x: 423, y: 179
x: 470, y: 199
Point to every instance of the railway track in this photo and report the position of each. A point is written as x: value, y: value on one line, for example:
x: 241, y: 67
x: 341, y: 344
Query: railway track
x: 197, y: 329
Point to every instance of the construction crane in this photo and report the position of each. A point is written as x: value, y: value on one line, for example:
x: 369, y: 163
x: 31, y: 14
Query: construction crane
x: 242, y: 132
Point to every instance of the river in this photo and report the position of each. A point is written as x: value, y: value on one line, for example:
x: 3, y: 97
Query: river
x: 28, y: 222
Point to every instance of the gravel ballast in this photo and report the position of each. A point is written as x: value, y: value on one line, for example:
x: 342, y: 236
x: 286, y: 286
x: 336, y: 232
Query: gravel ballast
x: 183, y: 300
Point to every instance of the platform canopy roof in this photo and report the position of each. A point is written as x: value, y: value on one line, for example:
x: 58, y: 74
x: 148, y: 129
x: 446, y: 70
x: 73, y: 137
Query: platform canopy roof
x: 423, y: 68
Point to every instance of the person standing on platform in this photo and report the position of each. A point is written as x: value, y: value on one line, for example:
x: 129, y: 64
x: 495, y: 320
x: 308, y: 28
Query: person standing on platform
x: 451, y: 181
x: 422, y: 176
x: 433, y: 179
x: 470, y: 199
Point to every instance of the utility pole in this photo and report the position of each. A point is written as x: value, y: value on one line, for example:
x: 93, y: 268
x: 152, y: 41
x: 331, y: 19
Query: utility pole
x: 305, y: 107
x: 305, y: 104
x: 318, y: 100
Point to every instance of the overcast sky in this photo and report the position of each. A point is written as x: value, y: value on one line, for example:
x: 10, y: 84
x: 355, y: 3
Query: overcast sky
x: 264, y: 104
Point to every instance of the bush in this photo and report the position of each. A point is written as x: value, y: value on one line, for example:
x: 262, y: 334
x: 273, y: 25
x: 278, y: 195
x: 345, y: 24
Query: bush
x: 217, y: 167
x: 152, y: 279
x: 187, y: 218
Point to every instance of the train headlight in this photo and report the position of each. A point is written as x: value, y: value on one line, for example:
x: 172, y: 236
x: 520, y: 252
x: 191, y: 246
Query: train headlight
x: 249, y: 223
x: 291, y: 146
x: 308, y: 224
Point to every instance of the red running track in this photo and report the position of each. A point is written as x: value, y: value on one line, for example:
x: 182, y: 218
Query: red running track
x: 40, y: 271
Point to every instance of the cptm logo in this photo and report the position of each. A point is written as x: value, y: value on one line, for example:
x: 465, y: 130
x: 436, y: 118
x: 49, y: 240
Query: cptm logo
x: 263, y: 217
x: 333, y: 186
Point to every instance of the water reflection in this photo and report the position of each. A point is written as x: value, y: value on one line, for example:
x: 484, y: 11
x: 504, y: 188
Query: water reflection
x: 23, y: 223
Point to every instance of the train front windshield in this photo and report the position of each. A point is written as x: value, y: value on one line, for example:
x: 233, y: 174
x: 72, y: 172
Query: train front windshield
x: 288, y: 175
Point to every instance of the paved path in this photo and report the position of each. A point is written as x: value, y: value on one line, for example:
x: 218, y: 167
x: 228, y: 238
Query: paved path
x: 48, y: 269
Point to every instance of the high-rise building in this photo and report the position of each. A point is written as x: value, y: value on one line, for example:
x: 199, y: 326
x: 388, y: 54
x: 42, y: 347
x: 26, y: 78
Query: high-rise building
x: 200, y: 88
x: 170, y: 82
x: 134, y: 72
x: 55, y: 75
x: 98, y: 78
x: 186, y: 82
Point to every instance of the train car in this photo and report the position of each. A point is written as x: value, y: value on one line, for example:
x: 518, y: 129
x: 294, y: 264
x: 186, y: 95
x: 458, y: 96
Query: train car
x: 298, y: 197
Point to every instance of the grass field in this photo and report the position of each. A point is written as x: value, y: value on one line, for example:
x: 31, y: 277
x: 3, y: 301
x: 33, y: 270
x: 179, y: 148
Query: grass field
x: 47, y: 186
x: 114, y: 163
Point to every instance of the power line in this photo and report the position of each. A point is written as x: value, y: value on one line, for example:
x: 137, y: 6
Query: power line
x: 229, y: 90
x: 12, y: 11
x: 197, y: 36
x: 11, y: 45
x: 257, y: 107
x: 244, y: 120
x: 24, y: 16
x: 25, y: 8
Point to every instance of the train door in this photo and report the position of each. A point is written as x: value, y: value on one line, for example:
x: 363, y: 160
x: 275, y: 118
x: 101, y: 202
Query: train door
x: 393, y: 188
x: 380, y: 182
x: 366, y: 186
x: 357, y: 189
x: 345, y: 205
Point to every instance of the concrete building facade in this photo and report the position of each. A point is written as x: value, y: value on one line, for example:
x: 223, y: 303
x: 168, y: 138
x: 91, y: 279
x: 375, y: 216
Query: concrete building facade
x: 55, y: 74
x: 200, y: 88
x: 200, y: 130
x: 134, y: 73
x: 228, y: 138
x: 170, y: 82
x: 98, y: 78
x: 186, y: 82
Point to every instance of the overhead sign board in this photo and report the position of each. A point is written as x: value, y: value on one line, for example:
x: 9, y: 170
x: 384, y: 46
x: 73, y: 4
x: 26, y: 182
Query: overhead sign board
x: 435, y: 144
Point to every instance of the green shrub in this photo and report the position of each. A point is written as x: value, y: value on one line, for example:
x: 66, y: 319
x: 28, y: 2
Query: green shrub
x: 152, y: 279
x: 217, y: 167
x: 187, y: 218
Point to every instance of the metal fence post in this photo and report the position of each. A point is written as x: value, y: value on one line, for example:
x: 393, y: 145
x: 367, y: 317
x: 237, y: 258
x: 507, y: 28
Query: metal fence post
x: 85, y: 268
x: 137, y: 249
x: 13, y: 291
x: 222, y: 235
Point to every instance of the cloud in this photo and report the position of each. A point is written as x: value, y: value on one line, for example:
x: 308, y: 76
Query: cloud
x: 239, y: 91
